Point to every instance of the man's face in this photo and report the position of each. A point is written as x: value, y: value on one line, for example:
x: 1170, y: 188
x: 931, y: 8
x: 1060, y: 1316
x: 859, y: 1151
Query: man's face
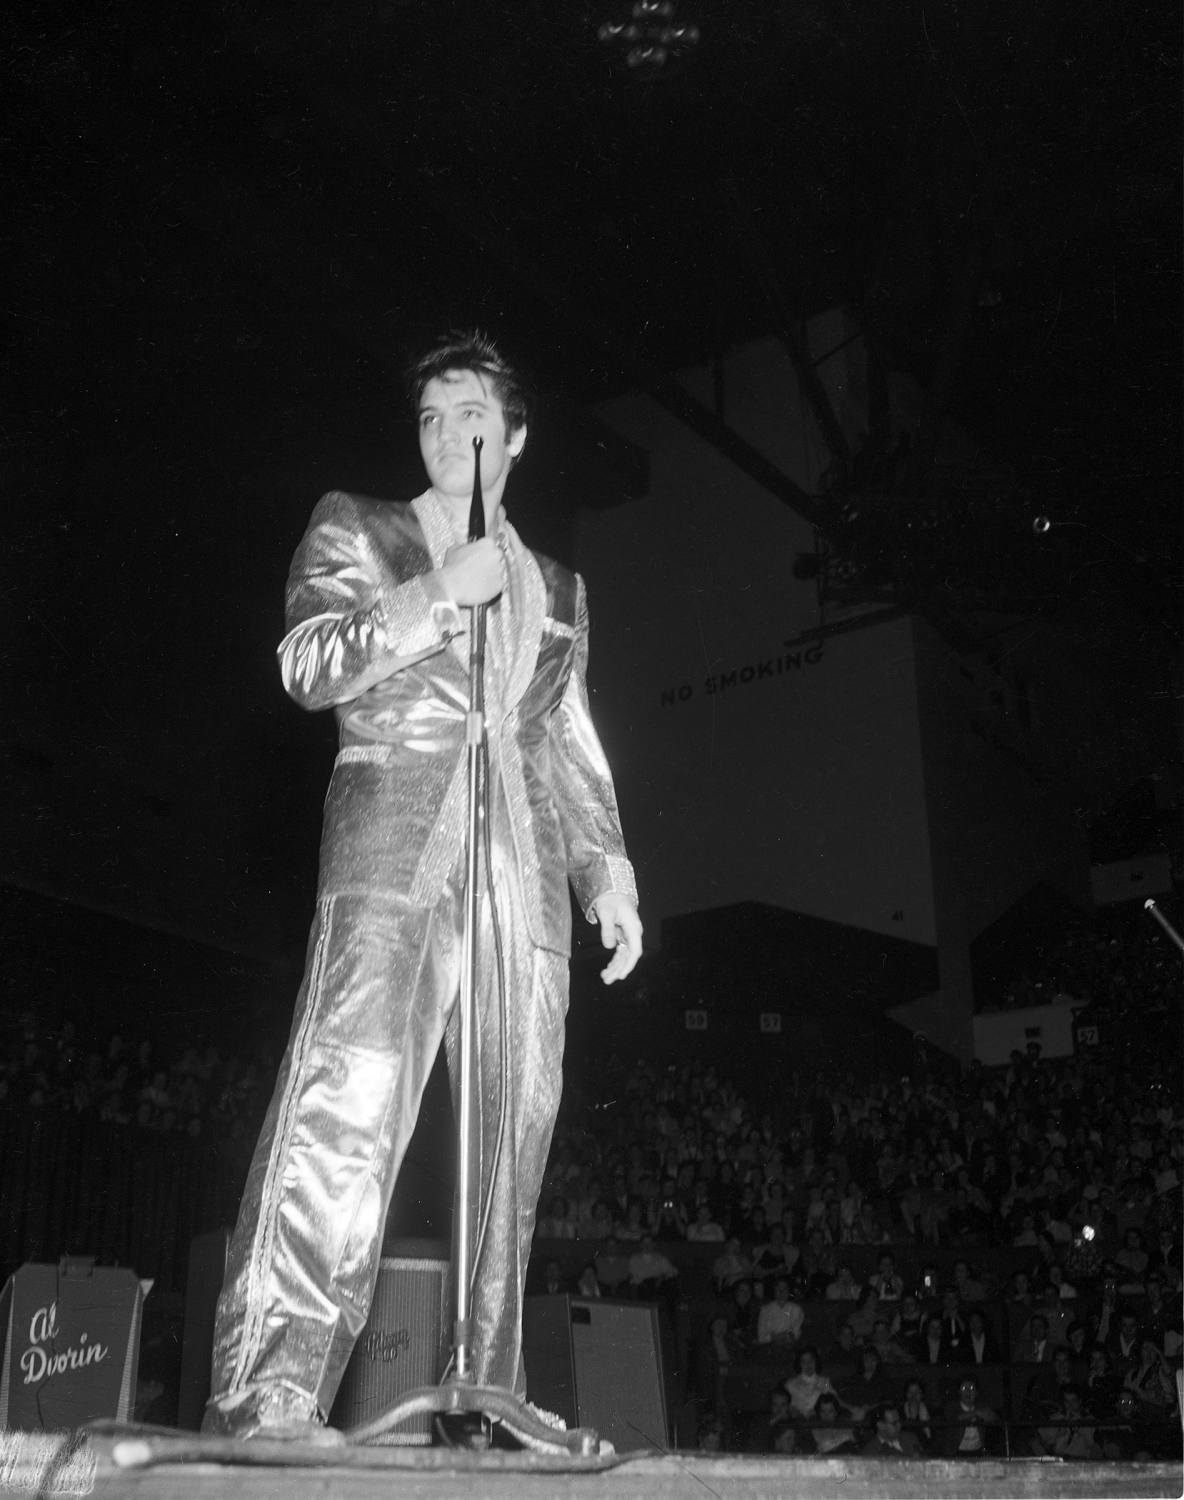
x: 454, y: 409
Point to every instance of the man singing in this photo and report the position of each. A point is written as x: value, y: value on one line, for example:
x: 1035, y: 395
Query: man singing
x: 379, y: 603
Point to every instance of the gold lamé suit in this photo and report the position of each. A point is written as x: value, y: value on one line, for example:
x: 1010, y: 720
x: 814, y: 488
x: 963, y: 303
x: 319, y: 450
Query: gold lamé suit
x: 372, y: 634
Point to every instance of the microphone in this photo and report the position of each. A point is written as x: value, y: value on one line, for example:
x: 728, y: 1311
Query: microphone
x: 477, y: 509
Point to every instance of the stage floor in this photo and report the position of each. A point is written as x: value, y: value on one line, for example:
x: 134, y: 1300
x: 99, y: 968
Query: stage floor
x: 131, y: 1465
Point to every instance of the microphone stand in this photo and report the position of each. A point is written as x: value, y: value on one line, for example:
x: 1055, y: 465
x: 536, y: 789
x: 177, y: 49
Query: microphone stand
x: 458, y: 1393
x: 1150, y: 906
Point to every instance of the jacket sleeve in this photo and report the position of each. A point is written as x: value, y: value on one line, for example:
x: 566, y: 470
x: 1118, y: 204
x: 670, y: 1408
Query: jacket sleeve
x: 345, y: 631
x: 583, y: 786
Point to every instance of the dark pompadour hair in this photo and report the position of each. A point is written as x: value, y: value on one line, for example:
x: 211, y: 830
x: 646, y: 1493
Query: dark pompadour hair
x: 469, y: 349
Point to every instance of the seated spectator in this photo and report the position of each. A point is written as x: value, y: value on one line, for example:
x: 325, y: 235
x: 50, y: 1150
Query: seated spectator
x: 862, y: 1319
x: 927, y: 1282
x: 910, y: 1320
x: 1046, y: 1387
x: 557, y: 1223
x: 867, y: 1228
x: 774, y: 1258
x: 1123, y: 1345
x: 828, y: 1434
x: 714, y: 1357
x: 778, y: 1418
x: 982, y: 1348
x: 612, y: 1268
x: 1157, y: 1317
x: 841, y: 1354
x: 632, y: 1227
x: 915, y: 1411
x: 600, y: 1221
x: 929, y: 1347
x: 818, y: 1265
x: 1033, y: 1346
x: 588, y: 1283
x: 969, y: 1424
x: 705, y: 1230
x: 1151, y: 1383
x: 670, y: 1222
x: 731, y: 1266
x: 780, y: 1321
x: 954, y: 1328
x: 554, y: 1281
x: 890, y: 1351
x: 808, y: 1383
x: 1069, y: 1433
x: 1101, y: 1385
x: 1167, y: 1255
x: 869, y: 1388
x: 1057, y: 1313
x: 650, y: 1272
x: 1133, y: 1259
x: 969, y: 1288
x: 892, y: 1439
x: 710, y: 1436
x: 743, y: 1311
x: 1124, y: 1434
x: 887, y: 1284
x: 844, y: 1287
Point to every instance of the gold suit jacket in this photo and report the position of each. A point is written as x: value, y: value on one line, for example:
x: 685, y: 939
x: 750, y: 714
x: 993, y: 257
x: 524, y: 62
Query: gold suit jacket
x: 372, y: 634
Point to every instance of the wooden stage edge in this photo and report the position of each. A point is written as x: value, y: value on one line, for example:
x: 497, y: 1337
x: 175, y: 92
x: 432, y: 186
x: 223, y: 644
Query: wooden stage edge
x: 125, y: 1466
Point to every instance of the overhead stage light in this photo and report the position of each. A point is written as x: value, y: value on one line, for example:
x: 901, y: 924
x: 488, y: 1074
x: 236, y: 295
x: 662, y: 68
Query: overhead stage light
x: 651, y: 40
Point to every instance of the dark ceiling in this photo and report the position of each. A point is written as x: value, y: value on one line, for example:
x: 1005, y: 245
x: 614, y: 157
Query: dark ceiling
x: 240, y: 193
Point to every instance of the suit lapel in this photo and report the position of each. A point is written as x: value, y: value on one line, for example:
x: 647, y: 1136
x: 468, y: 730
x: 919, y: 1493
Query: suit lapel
x: 528, y: 610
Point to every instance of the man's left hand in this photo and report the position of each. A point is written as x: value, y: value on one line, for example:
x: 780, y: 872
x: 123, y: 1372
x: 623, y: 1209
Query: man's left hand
x: 620, y: 929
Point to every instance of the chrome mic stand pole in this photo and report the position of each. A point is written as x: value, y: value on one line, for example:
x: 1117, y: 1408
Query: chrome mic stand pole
x: 1149, y: 905
x: 476, y: 749
x: 458, y: 1392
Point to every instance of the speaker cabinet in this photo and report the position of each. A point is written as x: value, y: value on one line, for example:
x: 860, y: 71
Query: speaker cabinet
x: 404, y: 1344
x: 207, y: 1268
x: 598, y: 1363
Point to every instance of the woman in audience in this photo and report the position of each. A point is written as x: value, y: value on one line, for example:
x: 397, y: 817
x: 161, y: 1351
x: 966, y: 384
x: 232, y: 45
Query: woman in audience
x: 808, y: 1383
x: 915, y: 1411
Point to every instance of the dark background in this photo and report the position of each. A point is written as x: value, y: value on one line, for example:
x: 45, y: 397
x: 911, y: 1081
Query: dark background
x: 227, y: 223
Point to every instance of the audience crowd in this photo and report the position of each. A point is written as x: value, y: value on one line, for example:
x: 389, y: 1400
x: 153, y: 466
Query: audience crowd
x: 918, y: 1251
x: 198, y: 1090
x: 954, y: 1261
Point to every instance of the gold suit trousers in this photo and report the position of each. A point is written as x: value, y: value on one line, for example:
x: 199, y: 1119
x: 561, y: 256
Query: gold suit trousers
x: 378, y: 997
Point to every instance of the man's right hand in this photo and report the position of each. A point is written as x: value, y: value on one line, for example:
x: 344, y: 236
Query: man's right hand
x: 472, y: 572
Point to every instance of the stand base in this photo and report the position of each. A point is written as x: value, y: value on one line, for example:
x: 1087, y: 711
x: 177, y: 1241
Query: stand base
x: 457, y: 1397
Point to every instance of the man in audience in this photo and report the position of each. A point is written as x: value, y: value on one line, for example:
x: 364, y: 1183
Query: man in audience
x: 827, y: 1430
x: 1033, y: 1347
x: 612, y: 1268
x: 890, y: 1439
x: 1069, y: 1433
x: 970, y: 1424
x: 651, y: 1274
x: 780, y: 1321
x: 731, y: 1266
x: 844, y: 1287
x: 779, y: 1417
x: 981, y: 1345
x: 889, y: 1286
